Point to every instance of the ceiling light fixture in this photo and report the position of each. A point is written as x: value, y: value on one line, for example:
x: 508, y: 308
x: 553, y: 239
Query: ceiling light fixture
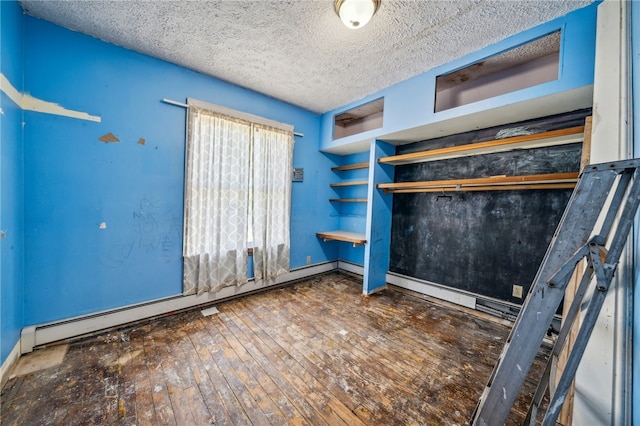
x: 356, y: 13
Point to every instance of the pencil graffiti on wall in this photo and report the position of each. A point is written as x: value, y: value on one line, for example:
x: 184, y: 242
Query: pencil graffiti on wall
x: 155, y: 231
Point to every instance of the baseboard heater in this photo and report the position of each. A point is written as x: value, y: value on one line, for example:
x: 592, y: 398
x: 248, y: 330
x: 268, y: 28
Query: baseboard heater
x: 497, y: 308
x: 43, y: 334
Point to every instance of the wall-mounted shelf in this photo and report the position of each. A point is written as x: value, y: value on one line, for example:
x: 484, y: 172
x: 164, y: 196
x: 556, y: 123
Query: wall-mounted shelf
x: 355, y: 166
x: 495, y: 183
x: 356, y: 238
x: 348, y: 200
x: 352, y: 183
x: 537, y: 140
x: 352, y: 190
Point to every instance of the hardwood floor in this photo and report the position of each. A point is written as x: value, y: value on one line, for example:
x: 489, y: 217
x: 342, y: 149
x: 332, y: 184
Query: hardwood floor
x: 315, y: 353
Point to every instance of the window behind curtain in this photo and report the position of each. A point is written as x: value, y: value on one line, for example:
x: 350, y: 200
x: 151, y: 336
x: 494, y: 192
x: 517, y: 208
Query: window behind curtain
x: 237, y: 189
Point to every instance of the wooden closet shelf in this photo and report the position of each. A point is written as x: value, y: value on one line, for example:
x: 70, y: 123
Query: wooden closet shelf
x: 348, y: 200
x: 358, y: 182
x: 356, y: 166
x: 537, y: 140
x: 495, y: 183
x: 356, y: 238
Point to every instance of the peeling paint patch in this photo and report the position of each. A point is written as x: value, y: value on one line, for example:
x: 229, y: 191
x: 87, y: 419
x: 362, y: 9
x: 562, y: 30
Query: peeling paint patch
x: 141, y: 141
x: 10, y: 91
x: 30, y: 103
x: 109, y: 137
x: 34, y: 104
x: 1, y: 111
x: 103, y: 225
x: 2, y: 235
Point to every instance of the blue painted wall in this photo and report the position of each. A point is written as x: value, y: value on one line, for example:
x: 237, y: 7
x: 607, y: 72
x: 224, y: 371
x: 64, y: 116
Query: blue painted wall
x: 74, y: 182
x: 380, y: 206
x: 410, y: 103
x: 11, y: 182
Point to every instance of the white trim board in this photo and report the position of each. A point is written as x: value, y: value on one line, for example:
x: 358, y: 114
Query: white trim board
x: 419, y: 286
x: 9, y: 364
x: 431, y: 289
x: 43, y: 334
x: 603, y: 380
x: 350, y: 267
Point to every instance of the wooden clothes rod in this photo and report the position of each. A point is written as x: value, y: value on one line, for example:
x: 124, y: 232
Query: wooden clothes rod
x: 486, y: 188
x: 183, y: 105
x: 541, y: 181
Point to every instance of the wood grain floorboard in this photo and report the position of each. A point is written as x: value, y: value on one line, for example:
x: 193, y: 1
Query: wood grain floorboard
x: 253, y: 369
x: 315, y: 393
x: 314, y: 353
x: 202, y: 341
x: 163, y: 411
x: 273, y: 366
x: 389, y: 372
x: 334, y: 409
x: 325, y: 344
x: 294, y: 368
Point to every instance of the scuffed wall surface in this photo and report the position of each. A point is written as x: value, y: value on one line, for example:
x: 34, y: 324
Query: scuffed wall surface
x: 104, y: 201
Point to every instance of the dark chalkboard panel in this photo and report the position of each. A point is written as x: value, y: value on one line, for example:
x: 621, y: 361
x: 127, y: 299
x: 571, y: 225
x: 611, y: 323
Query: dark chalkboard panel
x: 557, y: 159
x: 487, y: 241
x: 483, y: 242
x: 538, y: 125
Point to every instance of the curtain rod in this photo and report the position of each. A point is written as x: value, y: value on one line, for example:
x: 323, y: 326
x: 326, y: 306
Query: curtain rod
x: 183, y: 105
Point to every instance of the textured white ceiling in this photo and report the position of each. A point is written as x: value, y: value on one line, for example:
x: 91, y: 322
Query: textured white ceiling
x: 299, y: 51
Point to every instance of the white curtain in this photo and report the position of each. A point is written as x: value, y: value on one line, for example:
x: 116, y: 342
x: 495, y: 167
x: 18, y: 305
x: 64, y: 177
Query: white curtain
x: 216, y: 201
x: 237, y: 191
x: 272, y: 168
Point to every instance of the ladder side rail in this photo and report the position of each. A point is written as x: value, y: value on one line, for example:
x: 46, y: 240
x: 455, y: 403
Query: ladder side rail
x: 572, y: 314
x: 567, y: 324
x: 574, y: 230
x: 616, y: 202
x: 584, y: 183
x: 604, y: 273
x: 532, y: 413
x: 625, y: 222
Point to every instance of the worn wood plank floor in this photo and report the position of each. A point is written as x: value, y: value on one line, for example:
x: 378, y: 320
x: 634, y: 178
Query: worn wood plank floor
x: 316, y: 353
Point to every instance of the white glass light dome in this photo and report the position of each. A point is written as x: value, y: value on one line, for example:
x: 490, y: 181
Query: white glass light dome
x: 356, y: 13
